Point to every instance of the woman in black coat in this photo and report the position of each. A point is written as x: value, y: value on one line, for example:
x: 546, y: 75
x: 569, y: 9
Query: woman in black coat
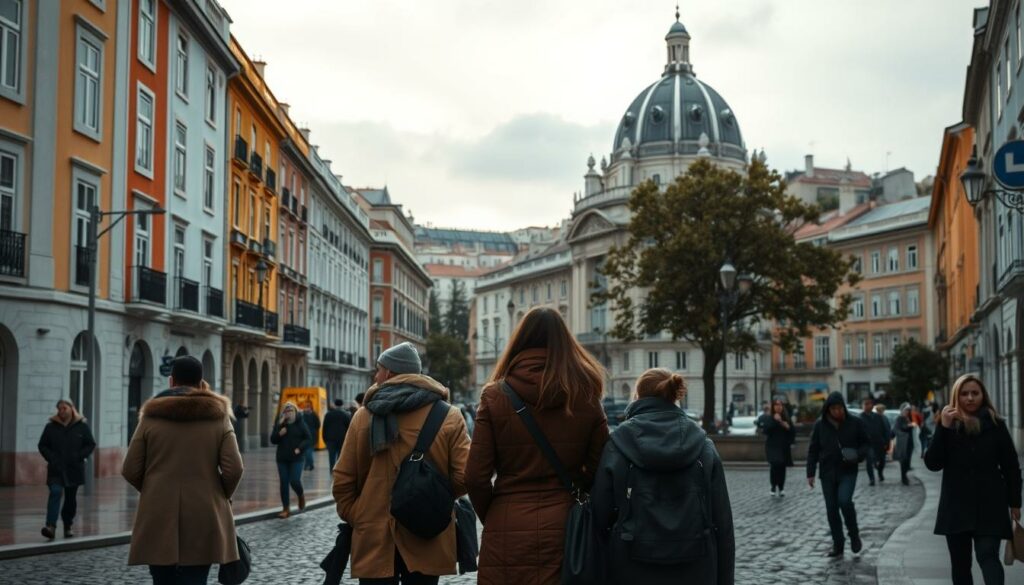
x: 779, y: 435
x: 660, y: 496
x: 981, y: 481
x: 65, y: 444
x: 292, y: 437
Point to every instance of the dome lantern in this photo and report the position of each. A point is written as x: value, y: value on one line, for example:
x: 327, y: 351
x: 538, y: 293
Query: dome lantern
x: 678, y: 47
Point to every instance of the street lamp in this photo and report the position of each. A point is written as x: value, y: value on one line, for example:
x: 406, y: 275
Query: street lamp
x: 973, y: 179
x: 261, y: 277
x: 728, y: 298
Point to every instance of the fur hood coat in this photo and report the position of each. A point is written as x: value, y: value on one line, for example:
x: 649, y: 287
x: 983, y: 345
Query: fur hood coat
x: 184, y: 460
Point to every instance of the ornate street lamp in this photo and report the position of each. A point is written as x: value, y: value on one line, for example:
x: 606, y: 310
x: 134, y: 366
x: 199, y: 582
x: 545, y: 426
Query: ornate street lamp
x: 261, y: 277
x: 973, y: 179
x: 728, y: 297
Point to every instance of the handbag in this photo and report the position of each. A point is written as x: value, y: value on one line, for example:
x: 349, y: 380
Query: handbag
x: 467, y: 545
x: 1015, y: 546
x: 236, y: 572
x: 582, y: 560
x: 849, y: 455
x: 422, y: 499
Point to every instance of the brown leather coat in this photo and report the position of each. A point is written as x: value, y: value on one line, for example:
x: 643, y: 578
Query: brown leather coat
x: 363, y: 481
x: 525, y: 508
x: 184, y: 460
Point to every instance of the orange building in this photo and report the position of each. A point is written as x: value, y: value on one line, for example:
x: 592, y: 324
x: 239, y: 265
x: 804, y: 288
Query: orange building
x: 955, y: 231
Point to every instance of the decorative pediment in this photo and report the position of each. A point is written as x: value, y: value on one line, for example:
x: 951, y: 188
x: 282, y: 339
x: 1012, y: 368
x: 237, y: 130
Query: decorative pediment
x: 591, y: 223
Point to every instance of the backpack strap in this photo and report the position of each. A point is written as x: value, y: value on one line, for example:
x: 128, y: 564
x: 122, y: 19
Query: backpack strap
x: 706, y: 463
x: 438, y: 412
x: 538, y: 437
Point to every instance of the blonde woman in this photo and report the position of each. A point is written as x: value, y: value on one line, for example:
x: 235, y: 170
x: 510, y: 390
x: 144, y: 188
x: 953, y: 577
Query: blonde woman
x: 660, y: 494
x: 981, y: 481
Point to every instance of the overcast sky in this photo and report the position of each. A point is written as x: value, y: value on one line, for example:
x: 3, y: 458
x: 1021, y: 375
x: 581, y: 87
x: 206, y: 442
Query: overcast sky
x: 481, y: 114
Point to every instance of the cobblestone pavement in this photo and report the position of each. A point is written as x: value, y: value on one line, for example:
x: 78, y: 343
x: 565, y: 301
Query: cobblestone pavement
x: 779, y: 540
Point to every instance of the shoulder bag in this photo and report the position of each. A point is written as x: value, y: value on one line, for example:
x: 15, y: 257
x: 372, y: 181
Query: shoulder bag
x: 422, y: 499
x: 236, y: 572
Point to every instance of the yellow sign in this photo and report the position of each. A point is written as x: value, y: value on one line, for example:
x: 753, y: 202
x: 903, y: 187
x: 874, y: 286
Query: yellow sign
x: 314, y: 396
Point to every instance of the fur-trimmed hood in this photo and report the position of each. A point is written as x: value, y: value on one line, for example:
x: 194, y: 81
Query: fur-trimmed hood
x: 188, y: 405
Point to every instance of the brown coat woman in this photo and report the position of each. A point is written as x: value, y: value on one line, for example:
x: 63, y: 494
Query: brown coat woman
x: 525, y: 508
x: 363, y: 481
x: 184, y: 460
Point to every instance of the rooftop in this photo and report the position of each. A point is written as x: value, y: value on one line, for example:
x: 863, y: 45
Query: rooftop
x: 454, y: 271
x: 893, y: 210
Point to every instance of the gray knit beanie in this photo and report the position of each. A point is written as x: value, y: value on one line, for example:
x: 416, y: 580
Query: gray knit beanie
x: 401, y: 359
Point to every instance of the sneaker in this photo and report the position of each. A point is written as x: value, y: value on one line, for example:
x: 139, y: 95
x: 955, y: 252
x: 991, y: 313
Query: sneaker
x: 836, y: 551
x: 68, y: 533
x: 772, y: 492
x: 782, y: 493
x: 49, y: 531
x: 855, y: 544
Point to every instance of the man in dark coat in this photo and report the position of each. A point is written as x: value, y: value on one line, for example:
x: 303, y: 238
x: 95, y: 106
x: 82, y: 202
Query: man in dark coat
x: 876, y: 427
x: 835, y: 432
x: 312, y: 421
x: 65, y: 444
x: 335, y: 426
x: 241, y: 412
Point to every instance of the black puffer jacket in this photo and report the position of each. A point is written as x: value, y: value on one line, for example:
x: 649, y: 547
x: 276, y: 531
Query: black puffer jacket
x: 877, y: 428
x: 778, y: 440
x: 980, y: 478
x: 65, y: 449
x: 827, y: 439
x: 312, y: 421
x: 657, y: 436
x: 336, y: 423
x: 297, y: 437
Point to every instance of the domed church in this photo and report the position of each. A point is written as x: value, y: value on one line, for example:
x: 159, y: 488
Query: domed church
x: 668, y: 125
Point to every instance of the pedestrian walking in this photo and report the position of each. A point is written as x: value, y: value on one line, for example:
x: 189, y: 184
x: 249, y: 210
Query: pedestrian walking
x: 312, y: 421
x: 184, y: 461
x: 904, y: 433
x: 931, y: 420
x: 779, y: 436
x: 838, y: 444
x: 877, y: 429
x: 516, y: 492
x: 292, y: 438
x: 981, y: 481
x: 336, y: 423
x: 240, y: 412
x: 382, y: 435
x: 660, y: 495
x: 883, y: 457
x: 65, y: 444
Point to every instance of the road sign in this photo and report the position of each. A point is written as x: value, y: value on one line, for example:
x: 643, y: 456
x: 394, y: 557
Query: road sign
x: 165, y: 365
x: 1008, y: 165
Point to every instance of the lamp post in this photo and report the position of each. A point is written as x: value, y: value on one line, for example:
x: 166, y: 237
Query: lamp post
x: 973, y: 179
x: 728, y: 297
x: 261, y: 276
x: 92, y: 242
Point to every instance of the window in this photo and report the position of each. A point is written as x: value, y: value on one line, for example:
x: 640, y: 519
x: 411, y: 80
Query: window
x: 625, y: 361
x: 911, y: 257
x: 894, y: 342
x: 822, y: 352
x: 88, y: 90
x: 876, y: 305
x: 208, y: 179
x: 652, y: 359
x: 894, y: 260
x: 180, y: 158
x: 252, y: 213
x: 913, y: 301
x: 862, y: 348
x: 236, y: 202
x: 181, y: 68
x: 144, y: 131
x: 211, y: 95
x: 142, y: 238
x: 549, y: 291
x: 876, y: 262
x: 533, y: 293
x: 8, y: 190
x: 999, y: 89
x: 85, y: 195
x: 680, y: 360
x: 857, y: 307
x: 147, y: 32
x: 179, y: 251
x: 378, y: 270
x: 799, y: 359
x: 207, y: 275
x: 879, y: 348
x: 847, y: 350
x: 10, y: 49
x: 738, y: 361
x: 565, y: 288
x: 894, y: 303
x: 856, y: 266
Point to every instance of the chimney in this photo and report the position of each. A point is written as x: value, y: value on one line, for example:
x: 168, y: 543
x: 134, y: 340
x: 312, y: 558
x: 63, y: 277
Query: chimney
x: 284, y: 107
x: 260, y: 66
x: 305, y: 133
x: 809, y: 165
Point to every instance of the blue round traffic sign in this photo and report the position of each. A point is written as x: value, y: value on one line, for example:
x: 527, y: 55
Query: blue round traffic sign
x: 1008, y: 165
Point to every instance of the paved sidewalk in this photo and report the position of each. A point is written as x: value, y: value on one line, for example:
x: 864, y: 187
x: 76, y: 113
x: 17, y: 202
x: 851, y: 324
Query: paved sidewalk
x: 913, y: 555
x: 110, y: 509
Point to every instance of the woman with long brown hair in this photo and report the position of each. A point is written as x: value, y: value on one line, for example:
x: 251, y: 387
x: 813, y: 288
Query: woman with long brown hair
x: 524, y: 508
x: 981, y: 482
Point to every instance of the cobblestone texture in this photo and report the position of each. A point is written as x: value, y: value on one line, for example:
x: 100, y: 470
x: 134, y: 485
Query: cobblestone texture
x: 779, y: 540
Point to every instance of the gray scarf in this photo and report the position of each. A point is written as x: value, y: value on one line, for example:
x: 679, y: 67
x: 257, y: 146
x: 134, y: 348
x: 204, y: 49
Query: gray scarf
x: 386, y: 404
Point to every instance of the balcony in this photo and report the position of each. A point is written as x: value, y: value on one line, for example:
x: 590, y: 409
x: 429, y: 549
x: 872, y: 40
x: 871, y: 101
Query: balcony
x: 241, y: 152
x: 269, y: 247
x: 12, y: 254
x: 362, y: 362
x: 248, y: 314
x: 256, y: 166
x: 186, y: 295
x: 286, y: 198
x: 822, y: 364
x: 856, y: 362
x: 239, y: 239
x: 295, y: 334
x: 325, y: 354
x: 254, y: 246
x: 271, y: 182
x: 295, y: 206
x: 214, y: 302
x: 148, y: 285
x: 270, y: 320
x: 305, y: 215
x: 82, y: 265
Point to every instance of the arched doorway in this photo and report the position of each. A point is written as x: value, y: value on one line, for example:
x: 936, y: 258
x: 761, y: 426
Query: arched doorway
x: 182, y: 351
x: 265, y: 390
x: 78, y: 391
x: 253, y: 402
x: 140, y: 383
x: 210, y: 371
x: 8, y: 395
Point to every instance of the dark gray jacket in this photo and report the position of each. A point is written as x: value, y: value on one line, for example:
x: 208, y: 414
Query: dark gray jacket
x: 827, y: 438
x: 658, y: 436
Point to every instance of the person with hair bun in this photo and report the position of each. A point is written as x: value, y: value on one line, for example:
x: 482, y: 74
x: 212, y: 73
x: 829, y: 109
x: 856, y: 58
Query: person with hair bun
x: 660, y: 496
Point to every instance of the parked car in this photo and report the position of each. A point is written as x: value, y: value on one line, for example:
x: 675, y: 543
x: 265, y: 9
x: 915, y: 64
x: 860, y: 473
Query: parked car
x: 743, y: 426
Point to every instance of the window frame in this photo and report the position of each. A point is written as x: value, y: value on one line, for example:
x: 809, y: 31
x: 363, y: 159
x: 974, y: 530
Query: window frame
x: 140, y: 91
x: 892, y: 260
x: 180, y: 148
x: 16, y: 152
x: 682, y: 363
x: 81, y: 218
x: 913, y: 301
x: 148, y: 60
x: 209, y: 178
x: 181, y: 64
x: 15, y: 93
x: 912, y: 260
x: 210, y: 95
x: 88, y: 36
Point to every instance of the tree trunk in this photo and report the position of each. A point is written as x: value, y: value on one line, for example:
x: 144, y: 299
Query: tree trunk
x: 711, y: 359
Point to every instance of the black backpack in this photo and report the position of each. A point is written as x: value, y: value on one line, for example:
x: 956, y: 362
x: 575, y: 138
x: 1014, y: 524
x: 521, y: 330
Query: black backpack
x: 422, y: 499
x: 659, y: 537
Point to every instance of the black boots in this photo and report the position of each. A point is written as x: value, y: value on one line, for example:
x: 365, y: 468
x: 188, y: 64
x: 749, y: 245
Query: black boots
x: 855, y: 544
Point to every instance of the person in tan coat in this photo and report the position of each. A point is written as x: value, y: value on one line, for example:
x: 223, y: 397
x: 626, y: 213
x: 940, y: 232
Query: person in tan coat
x: 515, y: 491
x: 382, y: 434
x: 184, y: 460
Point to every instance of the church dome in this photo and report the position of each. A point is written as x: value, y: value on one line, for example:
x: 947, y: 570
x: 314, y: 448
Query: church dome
x: 678, y: 114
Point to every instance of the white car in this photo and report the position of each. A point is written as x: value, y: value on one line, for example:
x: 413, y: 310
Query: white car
x: 743, y: 426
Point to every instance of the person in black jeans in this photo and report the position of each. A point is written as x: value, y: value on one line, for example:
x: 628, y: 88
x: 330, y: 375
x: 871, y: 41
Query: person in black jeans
x: 65, y: 444
x: 336, y: 423
x: 981, y: 481
x: 835, y: 432
x: 878, y: 436
x: 779, y: 435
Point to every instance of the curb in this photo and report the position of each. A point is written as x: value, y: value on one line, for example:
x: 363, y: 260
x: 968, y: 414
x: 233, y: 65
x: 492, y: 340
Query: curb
x: 104, y: 540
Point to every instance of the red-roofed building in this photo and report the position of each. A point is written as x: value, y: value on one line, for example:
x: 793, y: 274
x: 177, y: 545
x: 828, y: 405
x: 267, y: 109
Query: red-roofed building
x: 832, y: 189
